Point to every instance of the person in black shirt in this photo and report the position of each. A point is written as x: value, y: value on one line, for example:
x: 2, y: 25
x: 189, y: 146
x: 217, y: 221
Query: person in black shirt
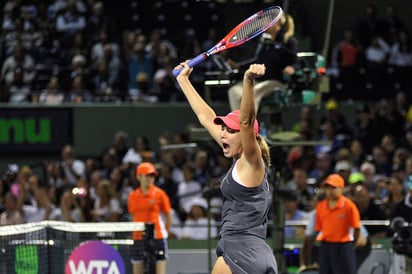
x: 277, y: 51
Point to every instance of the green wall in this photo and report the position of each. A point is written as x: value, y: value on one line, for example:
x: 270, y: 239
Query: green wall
x: 95, y: 125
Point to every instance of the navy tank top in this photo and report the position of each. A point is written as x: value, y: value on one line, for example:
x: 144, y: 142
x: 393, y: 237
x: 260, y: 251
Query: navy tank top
x: 245, y: 209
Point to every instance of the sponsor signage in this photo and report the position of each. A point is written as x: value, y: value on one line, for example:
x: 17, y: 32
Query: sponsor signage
x: 95, y: 257
x: 25, y: 130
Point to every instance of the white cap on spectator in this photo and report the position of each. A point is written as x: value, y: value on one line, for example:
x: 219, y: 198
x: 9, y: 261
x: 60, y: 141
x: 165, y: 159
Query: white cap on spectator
x: 342, y: 165
x: 78, y: 59
x: 199, y: 202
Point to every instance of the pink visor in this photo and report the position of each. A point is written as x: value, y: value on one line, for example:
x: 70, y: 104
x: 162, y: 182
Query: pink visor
x: 231, y: 120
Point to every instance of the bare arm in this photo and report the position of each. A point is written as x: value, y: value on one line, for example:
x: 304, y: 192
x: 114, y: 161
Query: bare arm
x: 168, y: 221
x: 43, y: 201
x: 306, y: 251
x: 251, y: 166
x: 356, y: 233
x: 205, y: 114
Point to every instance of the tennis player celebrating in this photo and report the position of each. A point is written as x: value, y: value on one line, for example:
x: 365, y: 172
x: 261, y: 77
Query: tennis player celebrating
x: 242, y: 246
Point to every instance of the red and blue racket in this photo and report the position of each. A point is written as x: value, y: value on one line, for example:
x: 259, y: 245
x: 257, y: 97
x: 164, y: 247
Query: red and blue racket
x: 245, y: 31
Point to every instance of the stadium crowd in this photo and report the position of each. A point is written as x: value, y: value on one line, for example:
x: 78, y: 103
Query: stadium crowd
x: 71, y: 54
x: 76, y: 51
x: 373, y: 154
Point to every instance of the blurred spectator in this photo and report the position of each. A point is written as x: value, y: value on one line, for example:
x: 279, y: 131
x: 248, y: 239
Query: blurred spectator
x: 168, y: 158
x: 370, y: 209
x: 24, y: 31
x: 19, y: 59
x: 52, y: 95
x: 76, y: 47
x: 78, y: 68
x: 17, y: 91
x: 97, y: 21
x: 323, y: 167
x: 169, y: 185
x: 119, y: 146
x: 9, y: 179
x: 107, y: 78
x: 389, y: 118
x: 355, y: 179
x: 11, y: 215
x: 129, y: 39
x: 404, y: 208
x: 400, y: 54
x: 106, y: 205
x: 344, y: 169
x: 97, y: 47
x: 91, y: 164
x: 293, y: 213
x: 376, y: 53
x: 139, y: 152
x: 307, y: 122
x: 333, y: 141
x: 408, y: 172
x: 164, y: 86
x: 69, y: 22
x: 69, y: 209
x: 334, y: 114
x: 381, y: 161
x: 100, y: 84
x: 368, y: 26
x: 368, y: 170
x: 139, y: 64
x: 365, y: 130
x: 304, y: 191
x: 74, y: 169
x: 122, y: 187
x: 3, y: 190
x: 95, y: 177
x: 389, y: 145
x: 347, y: 56
x: 399, y: 162
x: 343, y: 154
x: 79, y: 93
x: 33, y: 202
x: 381, y: 187
x: 196, y: 225
x: 357, y: 153
x: 113, y: 63
x: 54, y: 8
x: 187, y: 190
x: 396, y: 194
x: 391, y: 24
x: 56, y: 178
x: 152, y: 46
x: 201, y: 166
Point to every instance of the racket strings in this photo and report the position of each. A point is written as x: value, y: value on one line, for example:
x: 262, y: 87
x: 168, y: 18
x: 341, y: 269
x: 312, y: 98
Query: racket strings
x: 256, y: 25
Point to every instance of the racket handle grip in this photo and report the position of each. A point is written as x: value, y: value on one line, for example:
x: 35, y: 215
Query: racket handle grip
x: 191, y: 63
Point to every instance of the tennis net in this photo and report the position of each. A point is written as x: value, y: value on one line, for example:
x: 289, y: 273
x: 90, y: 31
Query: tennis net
x: 54, y: 247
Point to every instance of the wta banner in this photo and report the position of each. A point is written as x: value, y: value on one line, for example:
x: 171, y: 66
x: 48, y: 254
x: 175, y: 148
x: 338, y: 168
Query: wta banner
x: 95, y: 257
x: 40, y: 130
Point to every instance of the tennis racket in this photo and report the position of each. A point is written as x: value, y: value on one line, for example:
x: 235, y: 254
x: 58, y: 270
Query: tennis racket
x: 245, y: 31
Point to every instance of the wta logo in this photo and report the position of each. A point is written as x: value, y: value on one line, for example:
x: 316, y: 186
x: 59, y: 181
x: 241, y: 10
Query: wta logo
x: 95, y: 257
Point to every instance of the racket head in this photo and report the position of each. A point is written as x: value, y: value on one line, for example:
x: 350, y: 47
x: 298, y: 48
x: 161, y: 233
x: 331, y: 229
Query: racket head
x: 253, y: 26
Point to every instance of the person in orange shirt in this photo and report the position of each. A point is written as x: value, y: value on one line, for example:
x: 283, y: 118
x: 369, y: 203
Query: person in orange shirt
x: 335, y: 216
x: 147, y: 204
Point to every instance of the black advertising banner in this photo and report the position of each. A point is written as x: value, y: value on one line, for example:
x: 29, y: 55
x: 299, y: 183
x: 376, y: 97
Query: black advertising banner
x: 35, y: 130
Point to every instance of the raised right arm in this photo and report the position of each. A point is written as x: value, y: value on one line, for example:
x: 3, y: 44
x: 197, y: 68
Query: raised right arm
x: 204, y: 113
